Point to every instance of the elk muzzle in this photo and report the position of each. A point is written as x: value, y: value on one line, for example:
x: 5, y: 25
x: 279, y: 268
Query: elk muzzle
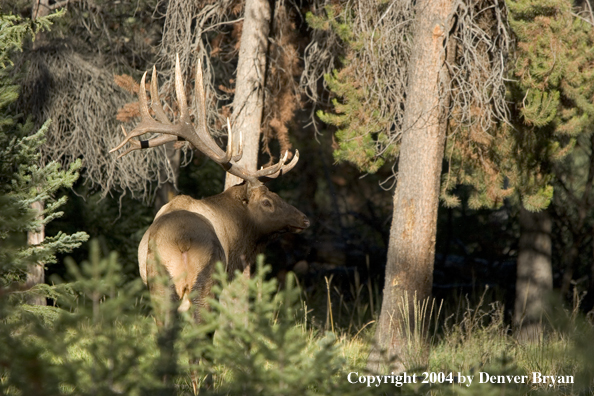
x: 302, y: 225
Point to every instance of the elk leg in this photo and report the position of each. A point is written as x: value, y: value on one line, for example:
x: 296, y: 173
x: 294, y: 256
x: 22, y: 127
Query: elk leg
x: 160, y: 289
x: 162, y: 295
x: 202, y: 291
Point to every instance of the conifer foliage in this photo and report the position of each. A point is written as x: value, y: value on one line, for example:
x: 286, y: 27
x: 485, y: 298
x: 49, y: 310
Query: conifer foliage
x: 369, y: 50
x: 521, y: 90
x: 264, y: 350
x: 94, y: 342
x: 22, y: 179
x: 98, y: 338
x: 551, y: 90
x: 100, y: 341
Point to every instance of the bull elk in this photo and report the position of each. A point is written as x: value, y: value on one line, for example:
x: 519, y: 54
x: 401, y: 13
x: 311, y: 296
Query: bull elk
x: 190, y: 236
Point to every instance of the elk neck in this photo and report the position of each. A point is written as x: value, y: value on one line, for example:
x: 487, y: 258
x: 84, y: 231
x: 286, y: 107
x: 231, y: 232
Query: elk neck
x: 234, y: 226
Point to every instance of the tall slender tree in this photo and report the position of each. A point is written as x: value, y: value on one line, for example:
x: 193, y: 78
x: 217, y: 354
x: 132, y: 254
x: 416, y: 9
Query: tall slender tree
x: 500, y: 151
x: 248, y: 100
x: 411, y: 249
x: 409, y: 70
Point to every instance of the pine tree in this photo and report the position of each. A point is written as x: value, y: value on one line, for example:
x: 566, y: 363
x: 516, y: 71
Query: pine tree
x: 265, y: 350
x: 394, y: 94
x: 551, y: 87
x: 22, y: 179
x: 501, y: 151
x: 97, y: 341
x: 554, y: 71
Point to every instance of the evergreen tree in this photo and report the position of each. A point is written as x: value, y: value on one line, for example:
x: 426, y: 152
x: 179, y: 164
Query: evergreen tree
x: 551, y: 90
x: 96, y: 342
x: 99, y: 341
x: 22, y: 179
x: 265, y: 350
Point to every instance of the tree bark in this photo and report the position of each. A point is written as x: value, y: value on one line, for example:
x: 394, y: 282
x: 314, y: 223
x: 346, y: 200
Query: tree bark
x: 167, y: 191
x: 35, y: 272
x: 535, y: 274
x: 411, y: 249
x: 40, y: 8
x: 248, y: 104
x: 249, y: 88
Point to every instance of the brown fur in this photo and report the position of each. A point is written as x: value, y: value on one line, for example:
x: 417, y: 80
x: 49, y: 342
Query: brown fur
x: 190, y: 236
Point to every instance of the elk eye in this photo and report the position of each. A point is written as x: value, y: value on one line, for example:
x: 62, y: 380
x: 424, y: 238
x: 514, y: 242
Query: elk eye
x: 267, y: 203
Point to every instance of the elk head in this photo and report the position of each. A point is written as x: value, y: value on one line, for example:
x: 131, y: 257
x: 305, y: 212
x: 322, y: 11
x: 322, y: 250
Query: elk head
x: 269, y: 213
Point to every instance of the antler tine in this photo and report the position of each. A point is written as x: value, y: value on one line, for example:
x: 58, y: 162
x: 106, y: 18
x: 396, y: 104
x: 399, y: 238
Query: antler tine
x: 182, y: 102
x: 142, y: 99
x: 201, y: 117
x: 229, y: 151
x: 139, y: 145
x: 200, y: 97
x: 134, y: 144
x: 274, y: 168
x: 155, y: 101
x: 144, y: 113
x: 272, y: 172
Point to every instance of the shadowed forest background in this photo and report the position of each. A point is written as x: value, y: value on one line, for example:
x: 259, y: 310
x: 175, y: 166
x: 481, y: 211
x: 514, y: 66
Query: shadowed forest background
x: 514, y: 94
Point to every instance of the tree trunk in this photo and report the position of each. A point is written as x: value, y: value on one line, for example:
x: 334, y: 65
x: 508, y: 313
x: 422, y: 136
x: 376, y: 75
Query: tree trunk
x: 249, y: 87
x: 411, y: 249
x: 40, y: 8
x: 248, y: 103
x: 535, y: 274
x: 167, y: 191
x: 35, y: 272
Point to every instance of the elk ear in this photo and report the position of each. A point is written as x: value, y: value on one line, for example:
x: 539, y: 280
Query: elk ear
x: 240, y: 192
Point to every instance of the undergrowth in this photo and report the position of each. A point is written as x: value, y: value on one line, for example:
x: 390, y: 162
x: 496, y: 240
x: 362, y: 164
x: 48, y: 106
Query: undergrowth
x: 100, y: 339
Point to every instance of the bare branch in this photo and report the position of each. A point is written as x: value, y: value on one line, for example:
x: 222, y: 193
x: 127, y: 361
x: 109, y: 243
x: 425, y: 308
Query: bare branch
x: 80, y: 98
x: 60, y: 4
x: 381, y: 66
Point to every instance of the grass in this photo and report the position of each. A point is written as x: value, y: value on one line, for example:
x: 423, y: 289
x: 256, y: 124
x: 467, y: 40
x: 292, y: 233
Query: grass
x: 474, y: 339
x: 285, y: 350
x: 470, y: 340
x: 479, y: 341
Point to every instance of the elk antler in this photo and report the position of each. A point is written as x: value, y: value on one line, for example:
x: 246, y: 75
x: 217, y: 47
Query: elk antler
x: 197, y: 135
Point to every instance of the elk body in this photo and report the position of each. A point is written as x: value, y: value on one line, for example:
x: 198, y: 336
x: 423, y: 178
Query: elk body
x: 188, y: 236
x: 191, y: 236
